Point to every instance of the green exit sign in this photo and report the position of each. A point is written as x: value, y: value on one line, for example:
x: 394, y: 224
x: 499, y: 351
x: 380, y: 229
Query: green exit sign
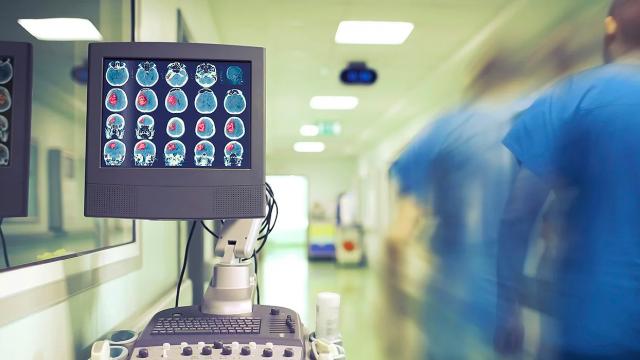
x: 329, y: 128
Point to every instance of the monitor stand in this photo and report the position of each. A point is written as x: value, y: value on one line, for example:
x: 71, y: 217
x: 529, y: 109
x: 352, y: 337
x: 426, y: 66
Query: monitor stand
x: 227, y: 325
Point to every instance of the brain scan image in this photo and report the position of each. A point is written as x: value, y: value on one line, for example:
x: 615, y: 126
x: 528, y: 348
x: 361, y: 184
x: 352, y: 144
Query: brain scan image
x: 6, y: 71
x: 233, y: 154
x: 4, y: 155
x: 174, y: 153
x: 5, y: 99
x: 114, y: 127
x: 176, y: 101
x: 147, y: 74
x: 234, y: 75
x: 146, y: 100
x: 117, y: 73
x: 177, y: 74
x: 116, y: 100
x: 234, y: 102
x: 4, y: 129
x: 144, y: 154
x: 206, y: 101
x: 175, y: 127
x: 204, y: 153
x: 145, y: 127
x: 205, y: 128
x: 114, y: 153
x: 206, y: 75
x: 234, y: 128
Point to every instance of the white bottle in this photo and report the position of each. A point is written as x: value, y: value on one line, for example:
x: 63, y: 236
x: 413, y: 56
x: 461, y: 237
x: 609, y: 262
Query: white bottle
x: 328, y: 316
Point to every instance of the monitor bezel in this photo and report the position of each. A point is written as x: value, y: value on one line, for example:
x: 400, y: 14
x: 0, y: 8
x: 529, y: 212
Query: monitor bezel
x: 97, y: 174
x: 14, y: 178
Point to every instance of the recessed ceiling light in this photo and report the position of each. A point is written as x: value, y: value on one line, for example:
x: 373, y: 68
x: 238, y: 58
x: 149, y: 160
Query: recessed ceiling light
x: 333, y: 102
x: 373, y: 32
x: 309, y: 130
x: 61, y: 29
x: 309, y: 147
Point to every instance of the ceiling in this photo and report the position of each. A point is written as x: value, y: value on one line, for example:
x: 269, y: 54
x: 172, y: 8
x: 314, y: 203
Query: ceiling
x: 418, y: 78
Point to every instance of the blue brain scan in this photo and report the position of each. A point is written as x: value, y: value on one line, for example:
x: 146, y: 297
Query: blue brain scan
x: 5, y: 99
x: 234, y: 128
x: 175, y: 127
x: 204, y: 153
x: 206, y: 101
x: 6, y: 71
x: 234, y: 75
x: 145, y: 127
x: 4, y: 155
x: 116, y: 100
x: 114, y: 127
x: 117, y: 73
x: 144, y: 153
x: 114, y: 152
x: 174, y: 153
x: 206, y: 75
x: 4, y: 129
x: 147, y: 74
x: 205, y: 128
x: 177, y: 74
x: 233, y: 154
x: 176, y: 101
x: 234, y: 102
x: 146, y: 100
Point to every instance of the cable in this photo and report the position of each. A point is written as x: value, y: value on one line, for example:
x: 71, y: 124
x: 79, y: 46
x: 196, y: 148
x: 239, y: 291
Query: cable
x: 209, y: 230
x: 255, y: 271
x: 4, y: 246
x: 184, y: 263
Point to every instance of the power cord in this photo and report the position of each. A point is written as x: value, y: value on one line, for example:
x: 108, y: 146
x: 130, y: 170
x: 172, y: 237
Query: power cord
x: 4, y: 246
x: 184, y: 263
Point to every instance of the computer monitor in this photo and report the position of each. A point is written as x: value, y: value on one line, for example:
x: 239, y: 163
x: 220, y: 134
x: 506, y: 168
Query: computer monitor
x: 175, y: 131
x: 16, y: 66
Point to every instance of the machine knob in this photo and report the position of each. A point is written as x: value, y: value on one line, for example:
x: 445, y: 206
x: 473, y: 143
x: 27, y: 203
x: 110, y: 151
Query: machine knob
x: 143, y: 353
x: 235, y: 345
x: 207, y: 350
x: 246, y: 350
x: 187, y: 351
x: 217, y: 345
x: 226, y: 350
x: 267, y: 352
x: 288, y: 352
x: 166, y: 346
x: 200, y: 345
x: 253, y: 345
x: 275, y: 311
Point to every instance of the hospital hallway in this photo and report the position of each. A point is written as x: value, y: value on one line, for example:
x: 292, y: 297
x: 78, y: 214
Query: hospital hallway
x: 319, y: 180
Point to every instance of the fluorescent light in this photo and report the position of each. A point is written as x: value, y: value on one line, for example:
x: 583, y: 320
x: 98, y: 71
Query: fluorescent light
x: 333, y: 102
x: 309, y: 130
x: 61, y: 29
x: 309, y: 147
x: 373, y: 32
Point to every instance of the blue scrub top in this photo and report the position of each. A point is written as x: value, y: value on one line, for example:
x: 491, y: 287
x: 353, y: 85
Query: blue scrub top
x: 584, y: 135
x: 459, y: 166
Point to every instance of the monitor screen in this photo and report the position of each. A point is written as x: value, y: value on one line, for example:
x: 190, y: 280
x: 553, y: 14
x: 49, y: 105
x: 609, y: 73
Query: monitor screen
x: 176, y: 113
x: 16, y: 68
x: 6, y: 90
x: 175, y: 131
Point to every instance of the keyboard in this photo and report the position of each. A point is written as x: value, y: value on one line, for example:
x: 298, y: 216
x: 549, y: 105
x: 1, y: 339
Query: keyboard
x: 179, y: 325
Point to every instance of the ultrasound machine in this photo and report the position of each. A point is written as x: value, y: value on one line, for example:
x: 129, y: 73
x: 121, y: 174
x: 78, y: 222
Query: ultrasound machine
x: 177, y: 132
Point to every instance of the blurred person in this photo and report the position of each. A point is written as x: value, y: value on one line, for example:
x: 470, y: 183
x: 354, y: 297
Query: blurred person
x: 458, y: 172
x: 580, y: 140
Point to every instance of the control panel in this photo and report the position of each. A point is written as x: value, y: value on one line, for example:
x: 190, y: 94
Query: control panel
x: 185, y: 333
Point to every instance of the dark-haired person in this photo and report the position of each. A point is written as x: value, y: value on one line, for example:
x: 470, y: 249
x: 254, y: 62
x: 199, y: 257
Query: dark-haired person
x: 581, y: 140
